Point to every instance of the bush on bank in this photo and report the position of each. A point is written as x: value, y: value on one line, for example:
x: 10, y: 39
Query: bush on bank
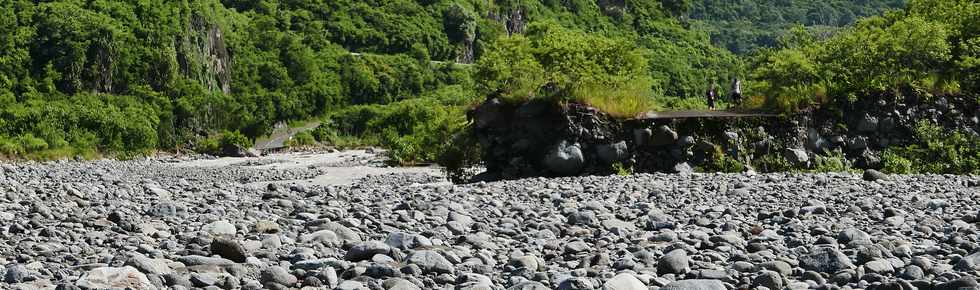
x: 414, y: 131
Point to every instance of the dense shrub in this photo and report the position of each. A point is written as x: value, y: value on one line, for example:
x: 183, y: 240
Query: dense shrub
x: 234, y: 138
x: 219, y: 144
x: 301, y: 139
x: 414, y: 131
x: 110, y: 123
x: 565, y: 65
x: 927, y: 49
x: 832, y: 162
x: 936, y: 151
x: 460, y: 155
x: 10, y: 147
x: 893, y: 163
x: 718, y: 161
x: 30, y: 143
x: 772, y: 163
x: 622, y: 170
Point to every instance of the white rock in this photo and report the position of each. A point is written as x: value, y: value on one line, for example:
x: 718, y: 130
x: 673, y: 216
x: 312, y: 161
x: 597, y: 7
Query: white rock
x: 114, y: 278
x: 222, y: 227
x: 624, y: 281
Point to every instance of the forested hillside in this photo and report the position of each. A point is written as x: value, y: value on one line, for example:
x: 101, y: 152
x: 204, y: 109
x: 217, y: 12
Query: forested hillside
x: 745, y: 25
x: 131, y: 76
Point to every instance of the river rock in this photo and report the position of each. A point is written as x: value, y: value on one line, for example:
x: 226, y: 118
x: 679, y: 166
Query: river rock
x: 695, y: 285
x: 663, y: 136
x: 115, y: 278
x: 825, y: 260
x: 565, y: 158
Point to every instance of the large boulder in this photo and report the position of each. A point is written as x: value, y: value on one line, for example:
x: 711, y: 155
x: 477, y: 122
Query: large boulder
x: 15, y: 273
x: 400, y: 284
x: 148, y: 265
x: 326, y: 237
x: 674, y: 262
x: 857, y: 143
x: 220, y: 228
x: 874, y: 175
x: 489, y: 114
x: 277, y: 275
x: 816, y: 142
x: 797, y: 156
x: 969, y: 263
x: 868, y: 159
x: 575, y: 283
x: 232, y: 150
x: 959, y: 284
x: 683, y: 168
x: 768, y: 279
x: 663, y: 136
x: 624, y: 281
x: 228, y: 249
x: 642, y: 136
x: 565, y: 158
x: 868, y: 124
x: 431, y: 262
x: 612, y: 153
x: 114, y: 278
x: 825, y: 260
x: 366, y: 250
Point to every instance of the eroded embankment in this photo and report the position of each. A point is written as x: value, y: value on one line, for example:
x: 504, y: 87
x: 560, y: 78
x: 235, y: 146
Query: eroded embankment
x: 546, y: 139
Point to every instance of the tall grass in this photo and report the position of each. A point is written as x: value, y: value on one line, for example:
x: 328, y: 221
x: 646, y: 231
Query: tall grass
x: 621, y: 100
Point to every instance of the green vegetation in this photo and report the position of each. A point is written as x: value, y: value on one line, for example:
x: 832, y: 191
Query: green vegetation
x: 567, y: 66
x: 622, y: 170
x: 747, y: 25
x: 928, y: 49
x: 414, y: 131
x: 772, y: 162
x: 832, y: 162
x: 893, y: 163
x: 302, y: 139
x: 130, y: 77
x: 218, y: 143
x: 125, y: 78
x: 938, y: 151
x: 718, y: 161
x: 458, y: 156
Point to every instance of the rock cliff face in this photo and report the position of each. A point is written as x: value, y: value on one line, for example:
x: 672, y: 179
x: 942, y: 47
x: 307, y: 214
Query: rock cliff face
x: 545, y: 139
x: 201, y: 55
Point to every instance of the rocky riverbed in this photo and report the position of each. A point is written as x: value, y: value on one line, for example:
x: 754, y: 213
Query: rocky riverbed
x: 249, y: 224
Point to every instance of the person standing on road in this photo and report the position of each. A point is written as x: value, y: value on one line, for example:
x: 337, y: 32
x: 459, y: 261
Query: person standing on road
x: 736, y: 92
x: 711, y: 95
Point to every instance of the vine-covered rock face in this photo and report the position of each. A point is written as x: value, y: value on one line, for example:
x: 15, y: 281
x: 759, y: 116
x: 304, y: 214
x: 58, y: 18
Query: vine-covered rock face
x: 546, y: 139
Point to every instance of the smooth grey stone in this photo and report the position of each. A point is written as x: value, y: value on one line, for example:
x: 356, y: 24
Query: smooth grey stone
x: 674, y: 262
x: 825, y: 260
x: 695, y: 285
x: 431, y: 262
